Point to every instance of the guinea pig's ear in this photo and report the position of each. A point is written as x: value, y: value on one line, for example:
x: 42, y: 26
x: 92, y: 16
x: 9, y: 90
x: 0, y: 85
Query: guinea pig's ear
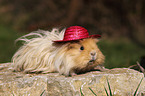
x: 70, y: 46
x: 73, y: 45
x: 96, y: 40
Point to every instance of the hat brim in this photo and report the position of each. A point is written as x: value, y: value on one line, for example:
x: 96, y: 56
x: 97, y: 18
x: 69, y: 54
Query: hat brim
x: 91, y: 36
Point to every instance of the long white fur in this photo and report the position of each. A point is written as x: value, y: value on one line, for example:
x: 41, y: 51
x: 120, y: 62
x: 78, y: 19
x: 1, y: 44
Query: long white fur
x: 33, y: 55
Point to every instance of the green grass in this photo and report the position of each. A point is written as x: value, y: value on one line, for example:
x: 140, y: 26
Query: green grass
x: 93, y: 92
x: 81, y: 92
x: 137, y: 88
x: 42, y: 93
x: 110, y: 91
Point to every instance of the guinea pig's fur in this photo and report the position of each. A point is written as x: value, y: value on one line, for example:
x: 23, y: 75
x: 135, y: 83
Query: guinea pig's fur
x: 41, y: 54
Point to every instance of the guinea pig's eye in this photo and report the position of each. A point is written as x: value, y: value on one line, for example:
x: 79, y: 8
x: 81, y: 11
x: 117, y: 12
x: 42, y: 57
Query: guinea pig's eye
x: 81, y: 48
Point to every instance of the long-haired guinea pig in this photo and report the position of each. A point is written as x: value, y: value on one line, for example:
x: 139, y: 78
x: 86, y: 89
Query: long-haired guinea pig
x: 69, y: 57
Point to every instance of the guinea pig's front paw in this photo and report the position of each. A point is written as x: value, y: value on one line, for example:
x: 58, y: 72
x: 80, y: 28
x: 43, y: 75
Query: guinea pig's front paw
x: 70, y: 74
x: 73, y: 74
x: 101, y: 68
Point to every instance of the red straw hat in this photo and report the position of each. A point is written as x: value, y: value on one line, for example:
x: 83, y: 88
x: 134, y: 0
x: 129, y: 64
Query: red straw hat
x: 76, y: 33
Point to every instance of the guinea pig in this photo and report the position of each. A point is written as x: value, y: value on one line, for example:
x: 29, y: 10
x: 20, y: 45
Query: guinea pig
x: 45, y: 52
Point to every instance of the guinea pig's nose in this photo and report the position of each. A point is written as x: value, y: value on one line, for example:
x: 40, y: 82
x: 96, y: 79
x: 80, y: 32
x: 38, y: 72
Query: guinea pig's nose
x: 93, y: 53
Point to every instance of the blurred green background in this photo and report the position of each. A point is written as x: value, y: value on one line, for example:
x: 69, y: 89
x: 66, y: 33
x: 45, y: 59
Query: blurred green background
x: 120, y: 22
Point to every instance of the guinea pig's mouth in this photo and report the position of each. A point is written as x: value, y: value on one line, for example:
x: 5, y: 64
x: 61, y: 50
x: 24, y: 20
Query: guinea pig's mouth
x: 92, y: 59
x: 91, y: 62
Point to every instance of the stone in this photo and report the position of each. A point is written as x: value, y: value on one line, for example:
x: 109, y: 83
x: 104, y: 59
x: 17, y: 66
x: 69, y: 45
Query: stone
x: 122, y: 81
